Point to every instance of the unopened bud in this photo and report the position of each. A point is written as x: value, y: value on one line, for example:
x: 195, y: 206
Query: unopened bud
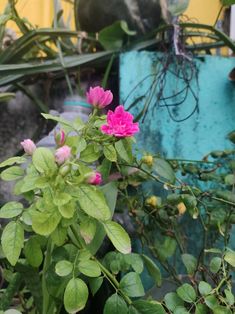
x: 28, y: 146
x: 59, y: 138
x: 62, y: 154
x: 152, y: 201
x: 181, y: 208
x: 64, y: 170
x: 94, y: 178
x: 147, y: 159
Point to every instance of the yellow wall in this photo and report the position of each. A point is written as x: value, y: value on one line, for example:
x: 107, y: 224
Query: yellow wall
x: 205, y: 11
x: 40, y: 12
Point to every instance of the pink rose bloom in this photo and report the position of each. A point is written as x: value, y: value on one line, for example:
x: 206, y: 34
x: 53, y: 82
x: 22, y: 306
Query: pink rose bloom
x: 120, y: 123
x: 59, y: 137
x: 95, y: 178
x: 28, y: 146
x: 62, y: 154
x: 98, y: 97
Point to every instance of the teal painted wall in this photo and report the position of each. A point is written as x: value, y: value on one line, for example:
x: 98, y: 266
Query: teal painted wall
x: 206, y: 129
x: 193, y: 138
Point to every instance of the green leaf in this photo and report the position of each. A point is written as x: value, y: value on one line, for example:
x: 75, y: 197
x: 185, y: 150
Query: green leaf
x: 204, y: 288
x: 88, y: 229
x: 136, y: 263
x: 95, y: 284
x: 131, y: 285
x: 67, y: 210
x: 115, y: 305
x: 12, y: 173
x: 118, y: 236
x: 215, y: 264
x: 229, y: 2
x: 12, y: 241
x: 75, y: 295
x: 44, y: 160
x: 187, y: 293
x: 44, y: 223
x: 124, y: 150
x: 13, y: 160
x: 226, y: 195
x: 90, y: 154
x: 92, y: 201
x: 153, y: 270
x: 211, y: 301
x: 164, y: 170
x: 11, y: 209
x: 148, y: 307
x: 177, y: 7
x: 111, y: 37
x: 63, y: 268
x: 229, y: 257
x: 54, y: 283
x: 230, y: 179
x: 229, y: 296
x: 167, y: 248
x: 125, y: 28
x: 201, y: 309
x: 61, y: 199
x: 221, y: 310
x: 110, y: 153
x: 172, y: 301
x: 62, y: 121
x: 33, y: 252
x: 59, y: 235
x: 89, y: 268
x: 12, y: 311
x: 190, y: 262
x: 6, y: 96
x: 180, y: 310
x: 110, y: 193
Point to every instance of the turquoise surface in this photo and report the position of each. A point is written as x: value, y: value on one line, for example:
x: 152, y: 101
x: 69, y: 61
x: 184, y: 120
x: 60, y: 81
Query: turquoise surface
x: 208, y: 123
x: 206, y: 129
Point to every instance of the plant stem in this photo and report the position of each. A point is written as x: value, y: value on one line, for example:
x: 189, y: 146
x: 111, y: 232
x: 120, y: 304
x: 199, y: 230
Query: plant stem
x: 45, y: 294
x: 104, y: 270
x: 114, y: 282
x: 218, y: 15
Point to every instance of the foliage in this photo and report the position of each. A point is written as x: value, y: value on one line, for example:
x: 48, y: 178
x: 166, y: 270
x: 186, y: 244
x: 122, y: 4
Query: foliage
x: 196, y: 202
x: 56, y: 230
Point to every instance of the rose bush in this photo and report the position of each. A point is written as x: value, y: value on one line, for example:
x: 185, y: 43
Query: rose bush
x: 52, y: 244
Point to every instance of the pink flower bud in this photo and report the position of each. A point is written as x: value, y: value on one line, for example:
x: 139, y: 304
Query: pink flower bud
x: 95, y: 178
x: 98, y: 97
x: 28, y: 146
x: 62, y: 154
x: 59, y: 137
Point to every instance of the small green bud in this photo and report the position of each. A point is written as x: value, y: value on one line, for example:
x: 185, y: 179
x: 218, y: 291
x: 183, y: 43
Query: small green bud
x: 64, y: 170
x: 152, y: 201
x: 147, y: 159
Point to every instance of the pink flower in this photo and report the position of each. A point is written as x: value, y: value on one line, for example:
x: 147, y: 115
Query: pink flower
x: 59, y: 137
x: 28, y: 146
x: 120, y: 123
x: 95, y: 178
x: 62, y: 154
x: 98, y: 97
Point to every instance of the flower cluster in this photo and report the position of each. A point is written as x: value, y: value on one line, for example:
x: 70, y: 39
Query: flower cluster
x: 119, y: 124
